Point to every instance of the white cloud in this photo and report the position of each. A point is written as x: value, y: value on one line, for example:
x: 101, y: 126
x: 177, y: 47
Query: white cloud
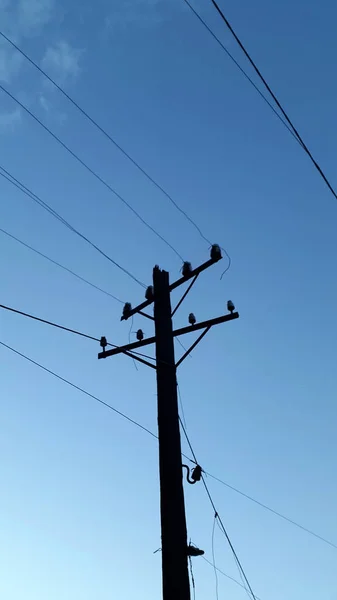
x: 44, y: 103
x: 140, y: 12
x: 10, y: 63
x: 20, y: 19
x: 33, y: 14
x: 62, y: 61
x: 8, y: 120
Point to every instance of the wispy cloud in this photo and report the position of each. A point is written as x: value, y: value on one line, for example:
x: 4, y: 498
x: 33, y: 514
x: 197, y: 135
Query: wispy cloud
x: 20, y: 19
x: 33, y: 14
x: 141, y: 12
x: 10, y: 62
x: 9, y: 120
x: 62, y: 61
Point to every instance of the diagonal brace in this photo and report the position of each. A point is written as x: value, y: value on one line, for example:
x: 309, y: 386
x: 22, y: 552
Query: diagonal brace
x: 185, y: 294
x: 193, y: 346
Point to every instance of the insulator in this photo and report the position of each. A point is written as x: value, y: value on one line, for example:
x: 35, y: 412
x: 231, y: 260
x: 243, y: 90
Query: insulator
x: 216, y: 252
x: 103, y: 342
x: 149, y: 294
x: 127, y: 310
x: 230, y: 306
x: 186, y: 269
x: 140, y: 335
x: 196, y: 473
x: 191, y: 319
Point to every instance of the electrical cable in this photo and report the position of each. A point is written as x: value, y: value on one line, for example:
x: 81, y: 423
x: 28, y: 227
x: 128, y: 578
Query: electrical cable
x: 130, y: 330
x: 217, y: 517
x: 20, y: 186
x: 240, y: 567
x: 273, y: 511
x: 90, y: 170
x: 62, y: 327
x: 302, y: 143
x: 182, y: 346
x: 227, y: 576
x: 240, y: 68
x: 76, y: 387
x: 110, y: 138
x: 194, y: 461
x: 181, y: 406
x: 213, y: 558
x: 54, y: 262
x: 192, y: 576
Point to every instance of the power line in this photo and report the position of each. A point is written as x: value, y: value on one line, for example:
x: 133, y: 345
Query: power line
x: 110, y: 138
x: 76, y: 387
x: 213, y: 558
x: 217, y: 517
x: 271, y: 510
x: 240, y: 567
x: 194, y: 461
x: 304, y: 146
x: 62, y: 327
x: 227, y: 576
x: 54, y: 262
x: 20, y: 186
x: 239, y: 67
x: 29, y: 316
x: 192, y: 576
x: 90, y: 170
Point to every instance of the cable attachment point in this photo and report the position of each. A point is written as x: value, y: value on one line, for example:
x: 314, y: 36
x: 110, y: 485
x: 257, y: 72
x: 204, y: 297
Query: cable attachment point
x: 195, y: 475
x: 103, y: 342
x: 194, y: 551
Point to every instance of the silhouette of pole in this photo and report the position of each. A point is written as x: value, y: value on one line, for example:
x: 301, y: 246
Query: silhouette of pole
x: 172, y: 506
x: 175, y: 551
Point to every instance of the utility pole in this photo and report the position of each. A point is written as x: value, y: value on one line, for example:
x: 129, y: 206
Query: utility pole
x: 172, y: 506
x: 175, y: 550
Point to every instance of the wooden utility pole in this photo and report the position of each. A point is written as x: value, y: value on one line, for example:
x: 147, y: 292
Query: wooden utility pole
x: 172, y: 507
x: 175, y: 550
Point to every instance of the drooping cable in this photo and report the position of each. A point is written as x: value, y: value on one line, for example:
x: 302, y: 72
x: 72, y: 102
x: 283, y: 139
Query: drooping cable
x: 54, y: 262
x: 217, y: 517
x: 109, y: 137
x: 90, y: 170
x: 213, y: 558
x: 272, y: 510
x: 226, y: 575
x: 62, y: 327
x: 192, y: 576
x: 194, y: 460
x: 76, y: 387
x: 25, y: 190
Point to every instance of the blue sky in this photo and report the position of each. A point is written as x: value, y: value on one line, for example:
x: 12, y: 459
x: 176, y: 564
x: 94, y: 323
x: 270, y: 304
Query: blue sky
x: 79, y: 486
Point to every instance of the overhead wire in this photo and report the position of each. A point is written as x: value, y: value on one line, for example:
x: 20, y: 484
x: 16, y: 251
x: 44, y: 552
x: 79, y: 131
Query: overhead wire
x: 111, y: 139
x: 272, y: 510
x: 181, y: 407
x: 192, y: 576
x: 90, y: 170
x: 76, y: 387
x: 226, y: 575
x: 217, y: 517
x: 62, y: 327
x: 277, y: 102
x: 54, y: 262
x: 239, y: 67
x: 213, y: 558
x: 25, y: 190
x: 194, y: 460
